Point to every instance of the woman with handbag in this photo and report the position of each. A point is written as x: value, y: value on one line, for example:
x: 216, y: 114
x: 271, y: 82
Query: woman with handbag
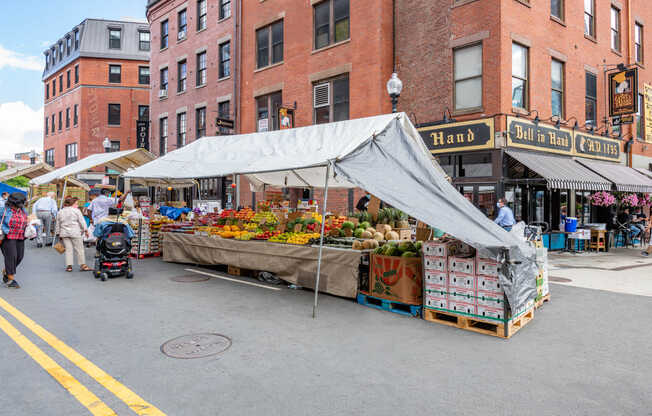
x: 71, y: 228
x: 14, y: 221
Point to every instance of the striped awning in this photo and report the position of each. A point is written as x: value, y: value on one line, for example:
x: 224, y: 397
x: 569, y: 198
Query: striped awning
x: 645, y: 172
x: 561, y: 172
x: 625, y: 178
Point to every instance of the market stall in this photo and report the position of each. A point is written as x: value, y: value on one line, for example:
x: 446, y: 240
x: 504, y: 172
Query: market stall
x: 383, y: 155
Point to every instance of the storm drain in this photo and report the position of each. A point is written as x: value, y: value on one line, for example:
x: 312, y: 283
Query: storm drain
x: 559, y: 279
x: 196, y: 346
x: 190, y: 278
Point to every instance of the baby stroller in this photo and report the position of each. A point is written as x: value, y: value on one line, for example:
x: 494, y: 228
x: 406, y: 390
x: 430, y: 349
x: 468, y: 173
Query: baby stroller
x: 113, y: 248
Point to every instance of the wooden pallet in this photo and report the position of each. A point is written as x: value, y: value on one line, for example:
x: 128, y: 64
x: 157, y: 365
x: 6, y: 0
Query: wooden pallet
x: 389, y: 305
x: 496, y: 329
x: 539, y: 303
x: 237, y: 271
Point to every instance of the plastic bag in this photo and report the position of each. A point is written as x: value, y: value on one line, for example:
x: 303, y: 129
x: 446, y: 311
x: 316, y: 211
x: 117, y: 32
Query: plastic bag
x: 30, y: 232
x: 128, y: 202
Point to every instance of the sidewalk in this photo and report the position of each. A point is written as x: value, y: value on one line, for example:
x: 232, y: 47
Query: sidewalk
x: 621, y: 270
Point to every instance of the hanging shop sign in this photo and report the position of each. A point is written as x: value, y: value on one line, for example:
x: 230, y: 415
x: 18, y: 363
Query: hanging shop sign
x: 647, y: 100
x: 623, y: 92
x: 597, y: 147
x: 621, y: 120
x: 529, y: 135
x: 142, y: 138
x: 465, y: 135
x: 286, y: 118
x: 224, y: 123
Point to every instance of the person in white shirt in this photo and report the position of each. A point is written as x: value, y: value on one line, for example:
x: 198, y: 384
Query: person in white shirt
x: 100, y: 206
x: 46, y: 210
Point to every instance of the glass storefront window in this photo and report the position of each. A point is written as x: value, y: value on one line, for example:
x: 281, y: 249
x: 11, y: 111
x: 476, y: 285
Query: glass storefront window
x: 582, y: 207
x: 514, y: 197
x: 474, y: 165
x: 447, y: 163
x: 487, y: 200
x: 539, y: 211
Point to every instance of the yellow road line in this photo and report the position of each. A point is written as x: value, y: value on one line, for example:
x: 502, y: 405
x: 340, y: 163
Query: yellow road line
x: 135, y: 402
x: 74, y: 387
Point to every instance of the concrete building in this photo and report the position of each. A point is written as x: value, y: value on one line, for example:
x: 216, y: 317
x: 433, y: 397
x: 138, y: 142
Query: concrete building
x: 96, y: 82
x: 475, y: 66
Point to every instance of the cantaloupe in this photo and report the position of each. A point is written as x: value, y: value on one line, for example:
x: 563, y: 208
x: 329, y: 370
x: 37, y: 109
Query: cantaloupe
x: 383, y: 228
x: 366, y: 234
x: 372, y: 230
x: 379, y: 237
x: 391, y: 235
x: 357, y: 245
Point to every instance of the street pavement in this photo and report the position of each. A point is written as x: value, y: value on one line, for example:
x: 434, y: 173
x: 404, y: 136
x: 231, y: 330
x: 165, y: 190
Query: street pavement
x: 587, y: 352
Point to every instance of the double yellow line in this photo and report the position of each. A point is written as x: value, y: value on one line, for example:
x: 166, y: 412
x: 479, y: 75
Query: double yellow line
x: 74, y: 387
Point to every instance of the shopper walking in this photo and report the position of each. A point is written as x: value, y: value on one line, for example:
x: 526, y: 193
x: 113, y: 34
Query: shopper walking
x: 71, y: 228
x: 100, y: 206
x: 46, y: 210
x: 14, y: 221
x: 505, y: 216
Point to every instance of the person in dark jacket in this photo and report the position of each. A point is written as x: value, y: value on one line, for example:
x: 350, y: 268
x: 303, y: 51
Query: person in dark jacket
x: 14, y: 221
x: 363, y: 202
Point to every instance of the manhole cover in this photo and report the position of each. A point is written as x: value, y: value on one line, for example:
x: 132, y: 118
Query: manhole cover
x: 190, y: 278
x: 559, y: 279
x: 196, y: 346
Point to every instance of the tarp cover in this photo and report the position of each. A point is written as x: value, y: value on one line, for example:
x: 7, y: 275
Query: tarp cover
x: 119, y: 161
x: 384, y: 155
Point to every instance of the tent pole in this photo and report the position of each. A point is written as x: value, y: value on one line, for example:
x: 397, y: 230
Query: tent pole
x: 321, y: 239
x: 63, y: 194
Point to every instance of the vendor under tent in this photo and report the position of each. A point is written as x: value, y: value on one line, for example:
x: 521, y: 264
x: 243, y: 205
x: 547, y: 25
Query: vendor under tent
x: 384, y: 155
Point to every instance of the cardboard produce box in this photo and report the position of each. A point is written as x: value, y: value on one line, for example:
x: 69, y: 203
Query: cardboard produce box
x: 398, y: 279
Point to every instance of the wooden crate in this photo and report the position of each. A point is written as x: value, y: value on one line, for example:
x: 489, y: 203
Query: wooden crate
x: 237, y: 271
x: 539, y: 303
x: 496, y: 329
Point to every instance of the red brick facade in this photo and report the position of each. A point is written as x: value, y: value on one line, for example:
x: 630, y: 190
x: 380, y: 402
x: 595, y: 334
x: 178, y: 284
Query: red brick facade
x: 92, y: 94
x: 425, y: 56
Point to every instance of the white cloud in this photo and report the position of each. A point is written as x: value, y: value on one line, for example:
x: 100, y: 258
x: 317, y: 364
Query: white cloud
x: 18, y: 60
x: 45, y: 44
x: 21, y: 129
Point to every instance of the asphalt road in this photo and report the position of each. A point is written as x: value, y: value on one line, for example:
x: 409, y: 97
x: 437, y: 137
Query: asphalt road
x: 587, y: 352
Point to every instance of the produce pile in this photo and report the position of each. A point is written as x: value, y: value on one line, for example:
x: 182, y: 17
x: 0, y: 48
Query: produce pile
x: 400, y: 249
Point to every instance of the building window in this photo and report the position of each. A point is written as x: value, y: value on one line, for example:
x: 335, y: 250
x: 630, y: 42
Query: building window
x: 76, y: 39
x: 164, y: 34
x: 224, y: 111
x: 331, y: 100
x: 201, y: 69
x: 68, y: 117
x: 143, y: 75
x: 71, y: 153
x: 331, y: 19
x: 61, y: 83
x: 591, y: 99
x: 557, y: 9
x: 638, y: 43
x: 54, y: 87
x: 115, y: 146
x: 269, y: 44
x: 143, y: 40
x: 75, y: 115
x: 60, y: 120
x: 47, y: 91
x: 163, y: 140
x: 225, y: 60
x: 54, y: 56
x: 164, y: 79
x: 615, y: 29
x: 114, y: 114
x: 519, y: 76
x: 267, y: 111
x: 202, y: 9
x: 47, y: 61
x: 143, y: 112
x: 76, y: 74
x: 47, y: 125
x: 640, y: 119
x: 49, y: 157
x: 53, y: 125
x: 200, y: 122
x: 557, y: 78
x: 589, y: 18
x: 115, y: 36
x: 68, y: 79
x: 182, y: 73
x: 68, y: 45
x: 60, y: 51
x: 183, y: 25
x: 115, y: 73
x: 225, y: 9
x: 181, y: 130
x: 467, y: 62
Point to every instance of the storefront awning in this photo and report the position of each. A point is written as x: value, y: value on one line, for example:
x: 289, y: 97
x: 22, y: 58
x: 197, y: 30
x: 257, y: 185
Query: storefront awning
x: 625, y: 178
x: 646, y: 172
x: 561, y: 172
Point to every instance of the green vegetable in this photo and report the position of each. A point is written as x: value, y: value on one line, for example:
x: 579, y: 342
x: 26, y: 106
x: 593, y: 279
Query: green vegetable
x: 357, y: 233
x: 418, y: 246
x: 364, y: 225
x: 409, y: 254
x: 406, y: 246
x: 348, y: 225
x: 379, y: 250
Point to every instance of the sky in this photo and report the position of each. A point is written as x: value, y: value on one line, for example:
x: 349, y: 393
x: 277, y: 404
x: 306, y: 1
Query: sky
x: 27, y: 28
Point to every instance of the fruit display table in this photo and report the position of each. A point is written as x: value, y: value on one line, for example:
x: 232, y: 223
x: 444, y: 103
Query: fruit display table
x: 295, y: 264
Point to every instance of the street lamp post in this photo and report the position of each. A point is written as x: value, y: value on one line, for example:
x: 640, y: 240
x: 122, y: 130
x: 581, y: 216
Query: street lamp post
x: 394, y: 88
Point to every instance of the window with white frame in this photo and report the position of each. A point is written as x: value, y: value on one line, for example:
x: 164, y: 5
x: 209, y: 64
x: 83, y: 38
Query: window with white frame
x: 467, y: 62
x: 331, y: 100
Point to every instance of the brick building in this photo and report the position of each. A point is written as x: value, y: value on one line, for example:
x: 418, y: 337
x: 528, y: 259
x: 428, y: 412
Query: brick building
x: 96, y: 82
x: 498, y: 68
x: 194, y: 75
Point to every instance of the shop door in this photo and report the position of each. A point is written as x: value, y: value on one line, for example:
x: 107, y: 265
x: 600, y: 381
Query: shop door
x: 483, y: 196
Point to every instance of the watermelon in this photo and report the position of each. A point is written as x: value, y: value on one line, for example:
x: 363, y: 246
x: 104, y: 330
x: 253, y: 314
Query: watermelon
x: 409, y: 254
x: 364, y: 225
x: 348, y: 225
x: 406, y: 246
x: 357, y: 233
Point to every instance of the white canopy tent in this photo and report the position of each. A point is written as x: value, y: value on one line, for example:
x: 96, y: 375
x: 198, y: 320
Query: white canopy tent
x: 384, y: 155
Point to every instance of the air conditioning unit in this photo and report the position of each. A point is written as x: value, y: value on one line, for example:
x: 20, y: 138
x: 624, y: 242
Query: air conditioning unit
x: 181, y: 35
x: 162, y: 93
